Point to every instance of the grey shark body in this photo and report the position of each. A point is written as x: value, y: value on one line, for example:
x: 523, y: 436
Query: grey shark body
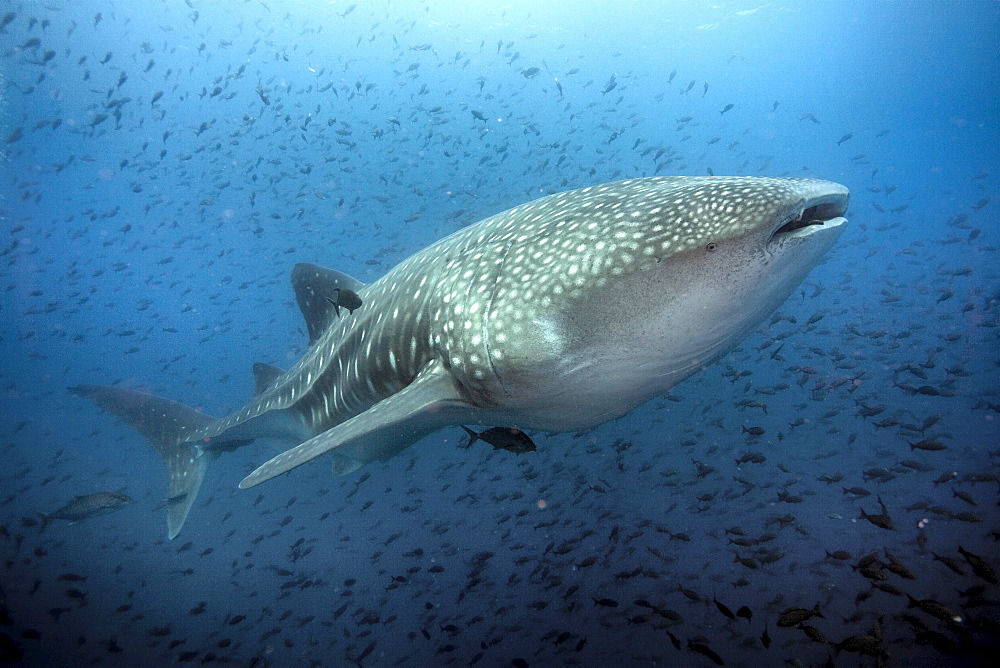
x: 556, y: 315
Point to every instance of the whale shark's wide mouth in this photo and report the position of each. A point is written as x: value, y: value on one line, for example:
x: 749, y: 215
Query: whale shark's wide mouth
x: 823, y: 211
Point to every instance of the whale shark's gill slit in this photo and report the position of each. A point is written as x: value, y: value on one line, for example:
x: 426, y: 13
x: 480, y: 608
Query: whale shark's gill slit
x: 797, y: 223
x: 489, y: 310
x: 817, y: 214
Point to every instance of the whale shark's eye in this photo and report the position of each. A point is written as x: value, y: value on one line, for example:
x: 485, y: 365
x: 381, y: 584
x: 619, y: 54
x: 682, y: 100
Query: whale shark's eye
x: 711, y: 246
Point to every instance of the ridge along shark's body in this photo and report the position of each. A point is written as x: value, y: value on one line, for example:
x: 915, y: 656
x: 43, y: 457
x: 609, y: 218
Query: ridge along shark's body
x: 556, y: 315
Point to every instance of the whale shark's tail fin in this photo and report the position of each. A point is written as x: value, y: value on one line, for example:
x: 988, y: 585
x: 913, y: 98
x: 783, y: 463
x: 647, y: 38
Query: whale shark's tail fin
x: 166, y: 425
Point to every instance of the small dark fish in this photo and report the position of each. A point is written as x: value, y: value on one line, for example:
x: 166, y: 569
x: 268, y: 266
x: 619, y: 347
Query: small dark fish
x: 765, y: 639
x: 979, y: 566
x: 724, y: 609
x: 795, y: 616
x: 898, y: 567
x: 727, y: 108
x: 754, y: 431
x: 606, y: 602
x: 56, y: 612
x: 503, y: 438
x: 349, y: 299
x: 88, y: 505
x: 863, y: 643
x: 954, y: 564
x: 882, y: 520
x: 844, y: 138
x: 690, y: 594
x: 929, y: 445
x: 745, y: 613
x: 934, y: 609
x: 706, y: 651
x: 78, y: 595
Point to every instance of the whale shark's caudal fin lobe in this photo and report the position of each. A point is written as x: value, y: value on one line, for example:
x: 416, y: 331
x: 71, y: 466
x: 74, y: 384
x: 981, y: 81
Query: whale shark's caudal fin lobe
x: 166, y: 425
x: 314, y: 286
x: 422, y: 407
x: 187, y: 469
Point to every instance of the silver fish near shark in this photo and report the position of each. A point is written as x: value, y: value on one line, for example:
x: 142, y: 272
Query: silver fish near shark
x: 86, y: 505
x: 556, y: 315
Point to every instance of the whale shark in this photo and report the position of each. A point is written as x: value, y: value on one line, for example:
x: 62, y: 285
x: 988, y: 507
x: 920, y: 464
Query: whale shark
x: 556, y: 315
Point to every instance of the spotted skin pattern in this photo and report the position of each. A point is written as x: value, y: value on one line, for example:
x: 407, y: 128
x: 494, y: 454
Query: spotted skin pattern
x: 557, y: 315
x: 447, y: 299
x: 472, y: 299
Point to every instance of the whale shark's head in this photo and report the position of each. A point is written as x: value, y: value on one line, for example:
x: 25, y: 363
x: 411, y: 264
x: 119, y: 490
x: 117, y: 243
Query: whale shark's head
x: 610, y: 295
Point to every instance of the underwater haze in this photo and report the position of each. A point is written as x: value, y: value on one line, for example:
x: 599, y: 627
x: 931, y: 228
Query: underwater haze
x: 824, y: 494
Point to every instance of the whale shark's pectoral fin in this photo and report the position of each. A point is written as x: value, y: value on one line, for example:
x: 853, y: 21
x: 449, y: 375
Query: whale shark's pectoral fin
x: 422, y: 407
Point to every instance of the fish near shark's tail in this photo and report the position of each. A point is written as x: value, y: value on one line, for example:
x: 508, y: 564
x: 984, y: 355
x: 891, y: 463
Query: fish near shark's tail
x: 166, y: 425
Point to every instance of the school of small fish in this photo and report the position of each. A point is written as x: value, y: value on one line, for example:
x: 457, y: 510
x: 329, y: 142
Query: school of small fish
x: 826, y: 494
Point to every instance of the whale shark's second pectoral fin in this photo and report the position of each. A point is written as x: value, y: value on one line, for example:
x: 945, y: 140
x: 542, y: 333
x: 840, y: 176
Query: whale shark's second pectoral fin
x: 424, y: 406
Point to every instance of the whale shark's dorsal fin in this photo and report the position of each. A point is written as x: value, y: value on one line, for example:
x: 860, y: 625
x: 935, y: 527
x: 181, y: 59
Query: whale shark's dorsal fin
x: 264, y: 376
x: 313, y: 286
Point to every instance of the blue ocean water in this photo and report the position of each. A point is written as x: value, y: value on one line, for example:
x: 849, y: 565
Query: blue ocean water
x: 168, y: 163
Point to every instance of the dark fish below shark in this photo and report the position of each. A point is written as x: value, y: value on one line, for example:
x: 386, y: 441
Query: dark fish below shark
x: 557, y: 315
x: 86, y: 505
